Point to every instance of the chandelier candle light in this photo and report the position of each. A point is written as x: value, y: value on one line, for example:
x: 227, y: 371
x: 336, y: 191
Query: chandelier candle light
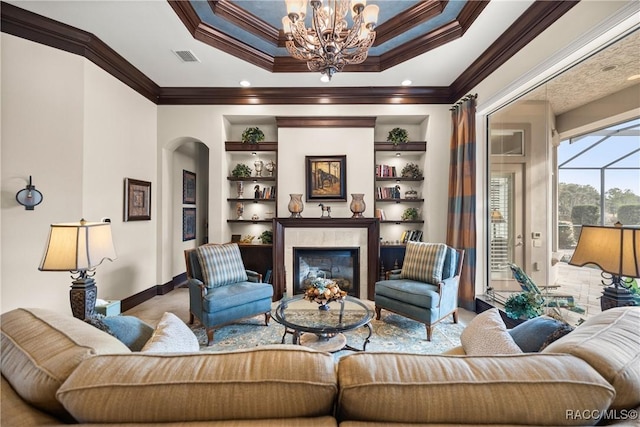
x: 328, y: 45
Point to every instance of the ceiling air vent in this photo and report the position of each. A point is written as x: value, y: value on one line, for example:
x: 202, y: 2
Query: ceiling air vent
x: 186, y: 55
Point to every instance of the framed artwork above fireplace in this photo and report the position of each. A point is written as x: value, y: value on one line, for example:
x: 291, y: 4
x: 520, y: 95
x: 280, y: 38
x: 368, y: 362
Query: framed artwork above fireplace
x: 326, y: 178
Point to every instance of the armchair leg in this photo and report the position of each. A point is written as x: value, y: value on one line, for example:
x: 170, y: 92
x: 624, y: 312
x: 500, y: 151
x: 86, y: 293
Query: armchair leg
x: 209, y: 337
x: 429, y: 330
x: 378, y: 311
x: 267, y: 318
x: 455, y: 316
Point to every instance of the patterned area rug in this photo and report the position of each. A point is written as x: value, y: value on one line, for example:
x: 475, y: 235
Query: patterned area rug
x: 391, y: 333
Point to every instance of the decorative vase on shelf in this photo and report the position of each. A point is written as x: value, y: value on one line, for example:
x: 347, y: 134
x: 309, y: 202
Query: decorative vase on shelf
x: 240, y: 189
x: 270, y: 166
x: 258, y: 165
x: 239, y: 210
x: 295, y: 205
x: 357, y: 205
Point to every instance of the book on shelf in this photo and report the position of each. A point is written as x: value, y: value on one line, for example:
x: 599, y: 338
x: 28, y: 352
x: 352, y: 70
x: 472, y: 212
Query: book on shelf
x: 266, y: 193
x: 380, y: 214
x: 411, y: 236
x: 388, y: 192
x: 386, y: 171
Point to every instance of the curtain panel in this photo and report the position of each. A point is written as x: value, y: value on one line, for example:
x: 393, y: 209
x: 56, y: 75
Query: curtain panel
x: 461, y: 219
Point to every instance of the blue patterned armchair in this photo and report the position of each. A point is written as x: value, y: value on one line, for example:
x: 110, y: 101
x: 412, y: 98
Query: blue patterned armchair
x: 221, y: 291
x: 426, y: 288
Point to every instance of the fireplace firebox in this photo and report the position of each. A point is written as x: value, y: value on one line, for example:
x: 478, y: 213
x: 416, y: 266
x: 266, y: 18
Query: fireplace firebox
x: 341, y: 264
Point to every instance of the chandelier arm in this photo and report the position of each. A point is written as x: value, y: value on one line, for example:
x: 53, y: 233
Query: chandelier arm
x: 319, y: 30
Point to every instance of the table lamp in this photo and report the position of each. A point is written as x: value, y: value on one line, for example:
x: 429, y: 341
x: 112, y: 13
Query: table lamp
x: 616, y: 251
x: 79, y: 248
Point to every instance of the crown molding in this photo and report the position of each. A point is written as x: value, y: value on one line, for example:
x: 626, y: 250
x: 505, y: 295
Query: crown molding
x: 27, y: 25
x: 537, y: 18
x: 325, y: 122
x: 39, y: 29
x: 310, y: 95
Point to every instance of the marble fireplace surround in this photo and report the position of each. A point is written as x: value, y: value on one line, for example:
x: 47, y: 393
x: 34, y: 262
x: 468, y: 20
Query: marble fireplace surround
x: 325, y: 233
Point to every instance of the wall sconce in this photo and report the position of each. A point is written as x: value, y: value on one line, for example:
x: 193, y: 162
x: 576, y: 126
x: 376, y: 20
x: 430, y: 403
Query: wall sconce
x: 29, y: 197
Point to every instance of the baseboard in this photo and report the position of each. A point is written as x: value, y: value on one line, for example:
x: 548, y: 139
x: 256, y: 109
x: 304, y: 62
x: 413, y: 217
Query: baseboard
x: 134, y: 300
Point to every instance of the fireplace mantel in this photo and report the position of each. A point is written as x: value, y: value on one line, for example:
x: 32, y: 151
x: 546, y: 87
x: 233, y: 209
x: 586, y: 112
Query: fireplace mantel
x: 372, y: 226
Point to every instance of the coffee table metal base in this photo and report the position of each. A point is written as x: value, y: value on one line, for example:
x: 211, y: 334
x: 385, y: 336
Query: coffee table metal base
x: 328, y: 343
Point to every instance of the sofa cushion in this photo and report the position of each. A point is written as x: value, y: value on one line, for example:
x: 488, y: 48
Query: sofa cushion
x: 487, y: 334
x: 279, y: 381
x: 221, y: 264
x: 533, y: 334
x: 610, y: 342
x: 424, y: 262
x: 524, y: 389
x: 171, y: 335
x: 411, y: 292
x: 40, y: 349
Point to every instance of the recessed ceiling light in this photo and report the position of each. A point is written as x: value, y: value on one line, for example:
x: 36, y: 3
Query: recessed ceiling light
x: 634, y: 77
x: 406, y: 82
x: 245, y: 83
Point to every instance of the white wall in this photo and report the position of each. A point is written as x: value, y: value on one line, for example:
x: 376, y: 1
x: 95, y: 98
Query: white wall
x: 79, y: 132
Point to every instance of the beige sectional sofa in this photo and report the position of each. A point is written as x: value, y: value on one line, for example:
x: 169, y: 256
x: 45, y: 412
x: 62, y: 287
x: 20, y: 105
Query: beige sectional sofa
x: 57, y: 369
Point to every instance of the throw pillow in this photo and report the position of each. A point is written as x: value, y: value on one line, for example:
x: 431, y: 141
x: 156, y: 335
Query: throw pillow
x: 424, y: 262
x: 133, y: 332
x: 532, y: 334
x: 487, y: 335
x: 171, y: 335
x: 130, y: 330
x: 556, y: 335
x: 221, y: 265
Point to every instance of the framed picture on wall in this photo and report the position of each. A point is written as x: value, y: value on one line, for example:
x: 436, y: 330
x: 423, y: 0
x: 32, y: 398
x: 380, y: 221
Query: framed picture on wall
x: 137, y: 200
x: 188, y: 188
x: 188, y: 224
x: 326, y: 178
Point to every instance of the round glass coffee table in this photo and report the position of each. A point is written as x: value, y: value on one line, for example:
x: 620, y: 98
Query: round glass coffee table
x: 323, y: 329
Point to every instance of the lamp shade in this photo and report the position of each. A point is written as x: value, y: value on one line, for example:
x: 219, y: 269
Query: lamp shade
x: 78, y: 246
x: 616, y: 250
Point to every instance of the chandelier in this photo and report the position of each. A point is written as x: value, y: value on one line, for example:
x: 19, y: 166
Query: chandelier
x: 328, y: 45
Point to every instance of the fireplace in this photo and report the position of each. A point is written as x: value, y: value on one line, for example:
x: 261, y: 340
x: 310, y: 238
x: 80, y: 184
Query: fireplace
x: 290, y: 233
x: 341, y: 264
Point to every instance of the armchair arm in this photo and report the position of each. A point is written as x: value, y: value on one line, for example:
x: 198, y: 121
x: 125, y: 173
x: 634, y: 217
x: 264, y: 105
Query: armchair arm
x: 254, y: 276
x: 393, y: 274
x: 197, y: 292
x: 448, y: 289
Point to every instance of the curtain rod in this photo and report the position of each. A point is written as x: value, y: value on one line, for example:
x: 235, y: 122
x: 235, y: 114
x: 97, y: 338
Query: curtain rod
x: 466, y: 98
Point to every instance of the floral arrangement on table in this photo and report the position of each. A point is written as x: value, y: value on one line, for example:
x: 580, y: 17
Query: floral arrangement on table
x: 323, y: 291
x: 524, y: 305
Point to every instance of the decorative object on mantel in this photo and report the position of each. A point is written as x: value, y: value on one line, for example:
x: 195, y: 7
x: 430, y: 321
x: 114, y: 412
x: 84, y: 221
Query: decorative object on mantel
x: 241, y: 171
x: 524, y: 305
x: 79, y: 248
x: 270, y: 166
x: 616, y: 251
x: 252, y: 135
x: 295, y: 205
x: 323, y: 291
x: 328, y: 45
x: 410, y: 214
x: 357, y: 205
x: 239, y: 210
x: 259, y: 164
x: 29, y: 197
x: 411, y: 170
x: 326, y: 211
x: 397, y: 136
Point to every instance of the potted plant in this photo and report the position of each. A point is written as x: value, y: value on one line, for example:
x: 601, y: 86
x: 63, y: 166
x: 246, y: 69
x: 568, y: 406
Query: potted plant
x: 241, y: 171
x: 397, y: 136
x: 252, y: 135
x: 524, y: 305
x: 266, y: 237
x: 410, y: 214
x: 411, y: 170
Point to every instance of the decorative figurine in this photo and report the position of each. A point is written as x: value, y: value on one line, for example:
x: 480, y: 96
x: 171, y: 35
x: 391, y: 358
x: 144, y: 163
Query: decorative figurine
x: 256, y: 191
x: 240, y: 189
x: 270, y: 166
x: 326, y: 211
